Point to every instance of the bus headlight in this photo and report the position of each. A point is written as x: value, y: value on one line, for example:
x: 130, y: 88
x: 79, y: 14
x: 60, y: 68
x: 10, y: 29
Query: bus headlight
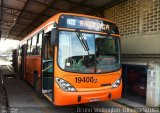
x: 65, y: 85
x: 116, y: 83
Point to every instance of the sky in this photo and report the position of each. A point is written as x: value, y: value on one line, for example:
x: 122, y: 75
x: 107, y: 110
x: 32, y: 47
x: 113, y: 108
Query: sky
x: 5, y: 44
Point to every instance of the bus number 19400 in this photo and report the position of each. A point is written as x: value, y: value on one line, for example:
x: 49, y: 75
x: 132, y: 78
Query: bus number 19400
x: 85, y: 80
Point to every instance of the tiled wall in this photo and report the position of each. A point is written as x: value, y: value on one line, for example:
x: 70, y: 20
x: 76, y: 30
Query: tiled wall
x: 136, y: 16
x: 151, y: 16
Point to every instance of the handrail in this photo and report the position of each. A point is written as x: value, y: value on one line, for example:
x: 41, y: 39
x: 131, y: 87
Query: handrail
x: 47, y: 68
x: 50, y: 60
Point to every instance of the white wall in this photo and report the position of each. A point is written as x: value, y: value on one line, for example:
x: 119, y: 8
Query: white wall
x: 144, y: 44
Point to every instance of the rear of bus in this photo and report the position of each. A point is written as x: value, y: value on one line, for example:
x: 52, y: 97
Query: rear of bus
x: 87, y: 65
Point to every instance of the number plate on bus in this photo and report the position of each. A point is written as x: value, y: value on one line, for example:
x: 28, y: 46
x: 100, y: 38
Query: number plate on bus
x: 85, y: 80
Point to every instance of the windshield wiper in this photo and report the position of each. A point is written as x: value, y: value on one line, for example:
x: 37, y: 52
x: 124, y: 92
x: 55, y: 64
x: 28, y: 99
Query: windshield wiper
x: 85, y: 46
x: 82, y: 40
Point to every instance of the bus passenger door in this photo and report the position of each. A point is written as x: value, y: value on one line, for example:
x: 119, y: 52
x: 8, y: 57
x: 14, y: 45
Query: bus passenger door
x: 47, y: 67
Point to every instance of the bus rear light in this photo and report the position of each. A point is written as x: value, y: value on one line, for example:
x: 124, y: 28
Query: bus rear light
x: 65, y: 85
x: 116, y: 83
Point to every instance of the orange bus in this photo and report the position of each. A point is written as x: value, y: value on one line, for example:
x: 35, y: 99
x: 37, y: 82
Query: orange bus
x: 73, y: 59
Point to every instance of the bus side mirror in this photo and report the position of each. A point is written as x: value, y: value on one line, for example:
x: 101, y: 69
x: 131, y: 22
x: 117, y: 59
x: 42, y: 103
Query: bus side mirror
x: 54, y: 36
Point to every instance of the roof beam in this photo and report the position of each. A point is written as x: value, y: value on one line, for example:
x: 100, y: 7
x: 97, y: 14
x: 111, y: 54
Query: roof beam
x: 6, y: 21
x: 19, y: 10
x: 7, y: 25
x: 36, y: 1
x: 81, y: 5
x: 25, y: 5
x: 36, y: 19
x: 75, y: 6
x: 58, y: 9
x: 16, y: 30
x: 13, y: 37
x: 11, y: 8
x: 16, y: 15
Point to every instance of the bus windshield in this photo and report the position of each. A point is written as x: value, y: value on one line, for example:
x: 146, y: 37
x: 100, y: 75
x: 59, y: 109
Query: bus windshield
x: 104, y: 54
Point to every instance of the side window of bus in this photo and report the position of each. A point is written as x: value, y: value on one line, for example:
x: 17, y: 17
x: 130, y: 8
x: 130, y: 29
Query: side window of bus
x: 33, y: 46
x: 28, y: 47
x: 48, y: 48
x: 39, y: 44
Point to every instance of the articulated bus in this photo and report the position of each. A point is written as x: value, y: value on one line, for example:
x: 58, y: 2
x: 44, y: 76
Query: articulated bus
x: 73, y: 59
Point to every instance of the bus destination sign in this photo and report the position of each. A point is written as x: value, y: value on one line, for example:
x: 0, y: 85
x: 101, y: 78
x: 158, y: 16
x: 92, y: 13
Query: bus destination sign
x: 87, y: 24
x: 83, y: 23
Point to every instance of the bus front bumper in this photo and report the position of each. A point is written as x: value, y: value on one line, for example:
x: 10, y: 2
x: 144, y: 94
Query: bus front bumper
x: 62, y: 98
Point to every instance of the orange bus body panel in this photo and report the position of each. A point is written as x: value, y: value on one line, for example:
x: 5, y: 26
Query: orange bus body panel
x: 33, y: 63
x: 69, y: 98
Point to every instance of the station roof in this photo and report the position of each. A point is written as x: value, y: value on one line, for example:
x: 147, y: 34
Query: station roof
x: 19, y: 17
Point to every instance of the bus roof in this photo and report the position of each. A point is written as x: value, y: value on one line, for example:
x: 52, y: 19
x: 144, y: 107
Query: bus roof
x: 55, y: 18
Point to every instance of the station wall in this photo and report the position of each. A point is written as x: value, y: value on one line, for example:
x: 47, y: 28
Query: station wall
x: 139, y: 25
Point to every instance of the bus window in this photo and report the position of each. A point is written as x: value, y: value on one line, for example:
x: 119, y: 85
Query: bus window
x: 33, y: 46
x: 28, y: 46
x: 72, y: 56
x: 107, y: 53
x: 48, y: 48
x: 39, y: 44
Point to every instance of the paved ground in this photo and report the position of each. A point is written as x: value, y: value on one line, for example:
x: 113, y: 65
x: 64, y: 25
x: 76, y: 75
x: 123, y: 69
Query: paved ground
x: 21, y: 95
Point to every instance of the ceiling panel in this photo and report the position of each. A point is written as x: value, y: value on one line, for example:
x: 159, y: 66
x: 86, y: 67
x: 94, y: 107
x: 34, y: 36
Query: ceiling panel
x: 77, y: 1
x: 15, y: 3
x: 35, y: 7
x: 64, y: 5
x: 51, y: 12
x: 96, y: 4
